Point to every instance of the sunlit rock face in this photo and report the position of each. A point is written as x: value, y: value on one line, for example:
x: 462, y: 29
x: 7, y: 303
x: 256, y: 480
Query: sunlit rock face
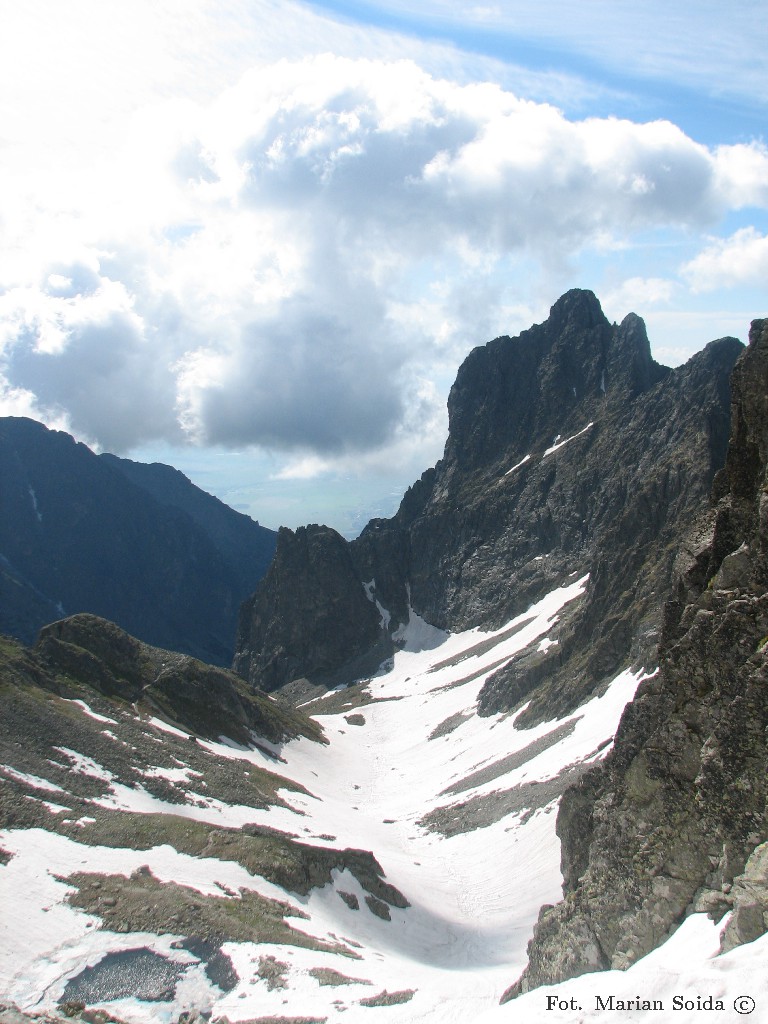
x: 569, y: 451
x: 674, y: 820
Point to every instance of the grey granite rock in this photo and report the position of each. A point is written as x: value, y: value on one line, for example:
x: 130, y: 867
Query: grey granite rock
x: 674, y: 820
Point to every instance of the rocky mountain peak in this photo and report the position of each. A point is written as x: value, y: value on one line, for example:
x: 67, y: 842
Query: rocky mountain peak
x: 629, y: 361
x: 673, y: 821
x: 515, y: 394
x: 747, y: 458
x: 578, y: 308
x: 570, y: 451
x: 311, y: 607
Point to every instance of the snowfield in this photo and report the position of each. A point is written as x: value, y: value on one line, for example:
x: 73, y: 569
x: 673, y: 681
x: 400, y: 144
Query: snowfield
x: 459, y: 812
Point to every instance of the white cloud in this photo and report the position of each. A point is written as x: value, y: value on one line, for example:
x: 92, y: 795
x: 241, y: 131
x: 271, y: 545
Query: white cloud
x: 306, y: 467
x: 680, y: 333
x: 728, y: 262
x: 637, y: 293
x: 20, y: 402
x: 72, y: 75
x: 242, y: 271
x: 742, y: 174
x: 79, y: 347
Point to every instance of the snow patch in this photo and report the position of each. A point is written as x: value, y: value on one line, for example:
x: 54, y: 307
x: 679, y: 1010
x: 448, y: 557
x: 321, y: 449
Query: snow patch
x: 557, y: 443
x: 53, y: 808
x: 84, y: 765
x: 384, y: 616
x: 112, y: 736
x: 35, y: 507
x: 158, y: 723
x: 418, y: 635
x: 31, y: 780
x: 46, y: 941
x: 677, y: 976
x: 517, y: 465
x: 91, y: 714
x: 182, y: 774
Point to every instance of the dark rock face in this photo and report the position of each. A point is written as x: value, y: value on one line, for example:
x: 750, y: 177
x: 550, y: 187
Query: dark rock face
x: 648, y: 466
x: 77, y: 535
x: 674, y: 819
x: 569, y: 451
x: 311, y: 611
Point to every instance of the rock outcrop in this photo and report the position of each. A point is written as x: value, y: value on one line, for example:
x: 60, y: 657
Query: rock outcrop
x: 140, y: 546
x: 569, y: 451
x: 84, y: 652
x: 674, y: 820
x: 208, y: 701
x: 312, y: 613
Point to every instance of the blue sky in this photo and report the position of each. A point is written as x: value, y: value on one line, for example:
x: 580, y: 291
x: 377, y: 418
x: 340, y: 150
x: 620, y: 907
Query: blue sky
x: 651, y: 60
x: 256, y: 238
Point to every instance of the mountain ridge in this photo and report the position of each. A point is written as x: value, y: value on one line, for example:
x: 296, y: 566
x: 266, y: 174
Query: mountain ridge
x: 669, y: 823
x: 246, y: 545
x: 554, y: 438
x: 84, y: 533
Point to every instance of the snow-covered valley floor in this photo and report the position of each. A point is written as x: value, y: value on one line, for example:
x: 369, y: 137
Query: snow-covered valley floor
x: 458, y: 810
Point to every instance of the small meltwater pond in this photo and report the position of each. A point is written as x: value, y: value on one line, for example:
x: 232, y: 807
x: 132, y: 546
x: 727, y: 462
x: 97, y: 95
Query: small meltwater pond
x: 137, y: 973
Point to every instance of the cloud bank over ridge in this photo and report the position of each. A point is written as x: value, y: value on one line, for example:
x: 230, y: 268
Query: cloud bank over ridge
x: 294, y: 263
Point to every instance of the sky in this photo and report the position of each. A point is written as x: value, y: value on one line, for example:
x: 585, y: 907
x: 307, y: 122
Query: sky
x: 255, y: 239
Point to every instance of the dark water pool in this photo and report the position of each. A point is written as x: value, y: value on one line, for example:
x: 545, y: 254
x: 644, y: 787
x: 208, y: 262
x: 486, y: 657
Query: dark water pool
x: 136, y: 973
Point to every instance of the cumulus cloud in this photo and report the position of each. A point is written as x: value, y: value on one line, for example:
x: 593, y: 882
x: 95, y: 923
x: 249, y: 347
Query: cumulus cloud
x: 251, y: 276
x: 641, y: 292
x: 740, y: 259
x: 303, y: 381
x: 77, y: 345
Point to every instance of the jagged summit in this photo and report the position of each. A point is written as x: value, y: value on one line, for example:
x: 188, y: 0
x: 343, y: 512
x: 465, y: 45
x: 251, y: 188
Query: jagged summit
x: 673, y: 821
x: 569, y: 451
x: 511, y: 394
x: 310, y: 606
